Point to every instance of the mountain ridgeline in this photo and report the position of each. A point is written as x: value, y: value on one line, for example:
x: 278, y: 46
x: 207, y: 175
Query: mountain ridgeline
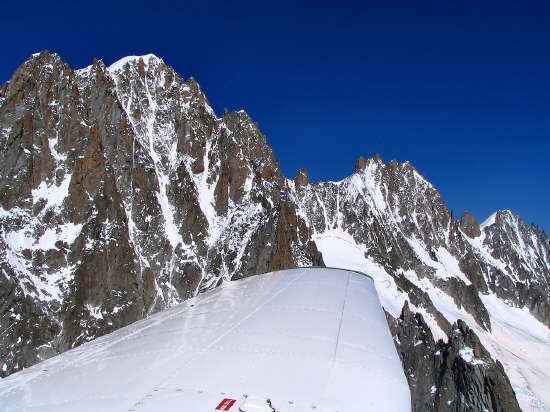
x: 122, y: 193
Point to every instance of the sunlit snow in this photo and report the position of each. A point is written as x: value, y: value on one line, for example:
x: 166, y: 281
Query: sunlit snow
x: 517, y: 339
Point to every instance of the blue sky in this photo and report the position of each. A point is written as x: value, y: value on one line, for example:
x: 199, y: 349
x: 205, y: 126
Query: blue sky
x: 460, y: 89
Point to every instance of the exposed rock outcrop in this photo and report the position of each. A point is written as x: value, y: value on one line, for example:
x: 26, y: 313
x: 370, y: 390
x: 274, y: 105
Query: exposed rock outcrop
x: 469, y: 225
x: 458, y: 375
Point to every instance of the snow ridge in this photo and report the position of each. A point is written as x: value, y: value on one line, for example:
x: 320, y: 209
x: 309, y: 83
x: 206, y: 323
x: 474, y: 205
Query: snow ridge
x: 337, y: 212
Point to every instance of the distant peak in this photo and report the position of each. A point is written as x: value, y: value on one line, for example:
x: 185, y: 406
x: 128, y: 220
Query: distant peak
x: 44, y: 55
x: 363, y: 163
x: 302, y: 177
x: 360, y: 164
x: 43, y: 60
x: 489, y: 221
x: 469, y: 225
x: 507, y: 214
x: 119, y: 64
x: 377, y: 158
x: 502, y: 217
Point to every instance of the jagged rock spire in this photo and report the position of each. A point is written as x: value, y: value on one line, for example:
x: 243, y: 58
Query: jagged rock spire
x: 302, y: 178
x: 469, y: 225
x: 360, y: 164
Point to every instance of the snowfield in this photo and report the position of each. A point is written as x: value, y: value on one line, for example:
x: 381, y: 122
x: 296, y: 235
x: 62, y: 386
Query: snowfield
x: 518, y: 340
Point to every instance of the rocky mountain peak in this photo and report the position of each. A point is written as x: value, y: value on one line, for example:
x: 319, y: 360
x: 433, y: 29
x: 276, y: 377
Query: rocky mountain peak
x: 469, y: 225
x: 360, y: 164
x: 43, y: 57
x: 363, y: 163
x: 123, y: 194
x: 302, y: 177
x: 137, y: 61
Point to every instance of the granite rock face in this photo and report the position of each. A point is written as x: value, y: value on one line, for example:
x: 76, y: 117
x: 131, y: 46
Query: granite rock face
x: 457, y: 375
x: 469, y: 225
x: 122, y: 193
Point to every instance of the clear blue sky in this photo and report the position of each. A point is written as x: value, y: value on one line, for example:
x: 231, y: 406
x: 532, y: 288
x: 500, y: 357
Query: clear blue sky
x: 461, y: 89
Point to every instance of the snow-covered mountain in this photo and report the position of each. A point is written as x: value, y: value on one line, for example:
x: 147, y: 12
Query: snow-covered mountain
x: 388, y: 221
x: 122, y: 193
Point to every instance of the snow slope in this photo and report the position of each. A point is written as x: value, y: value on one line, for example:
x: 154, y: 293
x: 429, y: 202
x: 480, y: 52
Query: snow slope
x: 519, y: 341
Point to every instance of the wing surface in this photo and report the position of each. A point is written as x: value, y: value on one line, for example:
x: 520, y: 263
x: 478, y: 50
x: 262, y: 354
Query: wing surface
x: 311, y: 339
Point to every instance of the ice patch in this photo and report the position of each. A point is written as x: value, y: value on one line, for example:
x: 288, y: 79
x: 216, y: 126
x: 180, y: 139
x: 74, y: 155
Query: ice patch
x: 24, y: 241
x: 53, y: 194
x: 52, y: 142
x: 467, y: 354
x: 67, y: 232
x: 446, y: 265
x: 95, y: 311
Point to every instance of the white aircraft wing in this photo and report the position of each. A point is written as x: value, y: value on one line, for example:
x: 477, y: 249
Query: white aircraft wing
x: 311, y: 339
